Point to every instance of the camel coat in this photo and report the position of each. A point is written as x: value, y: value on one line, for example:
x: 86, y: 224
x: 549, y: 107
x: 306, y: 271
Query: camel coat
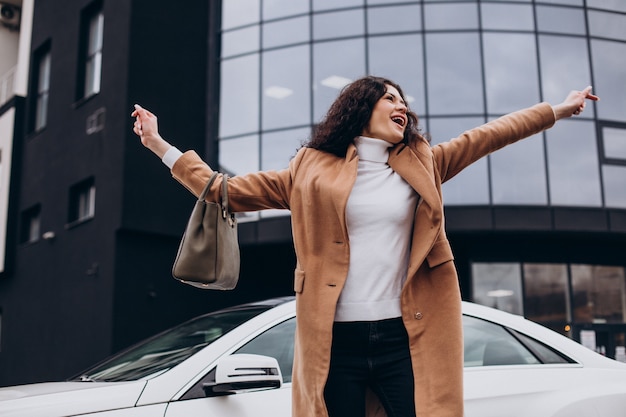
x: 315, y: 188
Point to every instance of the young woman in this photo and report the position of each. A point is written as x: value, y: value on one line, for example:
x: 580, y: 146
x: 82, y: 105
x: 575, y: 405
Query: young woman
x: 377, y: 297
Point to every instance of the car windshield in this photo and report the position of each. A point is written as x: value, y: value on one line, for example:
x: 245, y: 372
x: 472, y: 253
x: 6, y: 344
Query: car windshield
x: 166, y: 350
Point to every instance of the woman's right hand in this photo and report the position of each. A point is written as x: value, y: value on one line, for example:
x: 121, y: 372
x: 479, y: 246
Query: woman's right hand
x: 147, y: 128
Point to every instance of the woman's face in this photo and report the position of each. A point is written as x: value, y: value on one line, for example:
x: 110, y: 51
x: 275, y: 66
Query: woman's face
x: 388, y: 120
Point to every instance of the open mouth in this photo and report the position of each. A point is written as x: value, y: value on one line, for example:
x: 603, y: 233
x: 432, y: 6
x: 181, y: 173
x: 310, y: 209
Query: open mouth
x: 399, y: 120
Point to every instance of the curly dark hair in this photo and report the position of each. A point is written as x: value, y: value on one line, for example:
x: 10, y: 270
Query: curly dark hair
x: 350, y: 113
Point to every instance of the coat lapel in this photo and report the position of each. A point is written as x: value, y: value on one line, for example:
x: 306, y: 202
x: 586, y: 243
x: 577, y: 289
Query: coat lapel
x: 342, y: 183
x: 417, y: 169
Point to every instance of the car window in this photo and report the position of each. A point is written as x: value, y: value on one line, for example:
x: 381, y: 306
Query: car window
x: 545, y: 353
x: 489, y: 344
x: 276, y: 342
x: 166, y: 350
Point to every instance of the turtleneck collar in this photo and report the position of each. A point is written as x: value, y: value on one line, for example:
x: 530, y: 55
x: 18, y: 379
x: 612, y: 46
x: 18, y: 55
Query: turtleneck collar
x: 373, y: 150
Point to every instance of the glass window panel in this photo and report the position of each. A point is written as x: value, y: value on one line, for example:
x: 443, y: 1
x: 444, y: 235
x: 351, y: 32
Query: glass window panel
x: 240, y: 156
x: 609, y: 67
x: 278, y: 148
x: 498, y: 285
x: 563, y: 68
x: 273, y: 9
x: 240, y: 12
x: 338, y: 24
x: 394, y: 19
x: 471, y: 186
x: 607, y: 25
x: 614, y: 178
x: 518, y: 174
x: 334, y: 65
x: 451, y: 16
x: 545, y: 293
x: 335, y: 4
x: 454, y: 88
x: 286, y: 88
x: 614, y: 140
x: 507, y: 16
x: 285, y: 32
x: 409, y: 75
x: 239, y: 96
x: 510, y: 72
x: 573, y: 166
x: 387, y: 1
x: 240, y: 41
x: 489, y: 344
x: 598, y: 294
x: 565, y: 2
x: 615, y: 5
x: 560, y: 20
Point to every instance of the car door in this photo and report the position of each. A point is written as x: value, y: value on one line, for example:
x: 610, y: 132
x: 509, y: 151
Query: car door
x: 510, y: 374
x: 277, y: 342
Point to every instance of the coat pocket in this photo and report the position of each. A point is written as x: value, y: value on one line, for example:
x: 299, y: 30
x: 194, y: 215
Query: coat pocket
x: 298, y: 280
x: 440, y: 253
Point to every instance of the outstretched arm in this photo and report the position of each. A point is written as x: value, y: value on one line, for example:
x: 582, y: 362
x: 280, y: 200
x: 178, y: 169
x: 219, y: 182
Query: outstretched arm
x: 147, y: 128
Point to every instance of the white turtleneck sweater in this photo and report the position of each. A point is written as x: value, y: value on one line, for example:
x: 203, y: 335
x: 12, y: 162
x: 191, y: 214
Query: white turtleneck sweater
x: 380, y: 213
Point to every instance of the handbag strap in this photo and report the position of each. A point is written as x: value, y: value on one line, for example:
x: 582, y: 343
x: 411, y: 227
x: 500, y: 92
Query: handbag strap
x: 225, y: 212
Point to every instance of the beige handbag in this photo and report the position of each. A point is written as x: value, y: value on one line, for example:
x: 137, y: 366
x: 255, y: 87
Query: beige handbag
x: 208, y: 255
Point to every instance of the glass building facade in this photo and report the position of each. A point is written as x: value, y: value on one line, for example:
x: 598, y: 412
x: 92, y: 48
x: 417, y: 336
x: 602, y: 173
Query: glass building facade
x: 461, y: 64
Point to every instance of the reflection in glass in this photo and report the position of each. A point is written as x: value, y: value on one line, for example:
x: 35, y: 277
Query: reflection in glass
x: 507, y: 16
x: 565, y: 2
x: 286, y: 32
x: 471, y: 186
x: 338, y: 24
x: 239, y: 96
x: 498, y: 285
x: 240, y: 12
x: 609, y: 68
x: 410, y: 75
x: 456, y: 16
x: 599, y: 295
x: 561, y: 69
x: 545, y: 293
x: 278, y: 148
x: 334, y: 65
x: 240, y: 41
x: 614, y: 179
x: 614, y: 140
x: 607, y: 25
x: 518, y: 174
x: 573, y: 167
x: 560, y: 20
x: 394, y: 19
x: 454, y: 88
x: 286, y: 91
x: 510, y: 72
x: 273, y: 9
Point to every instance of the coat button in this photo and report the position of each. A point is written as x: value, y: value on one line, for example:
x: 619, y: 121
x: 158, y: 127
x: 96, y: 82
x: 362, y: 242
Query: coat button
x: 419, y: 315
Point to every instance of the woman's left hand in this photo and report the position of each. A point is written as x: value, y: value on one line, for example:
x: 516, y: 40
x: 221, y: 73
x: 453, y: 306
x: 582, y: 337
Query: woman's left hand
x: 574, y: 103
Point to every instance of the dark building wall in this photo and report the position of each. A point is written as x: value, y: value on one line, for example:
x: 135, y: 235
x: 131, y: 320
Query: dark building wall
x: 60, y: 306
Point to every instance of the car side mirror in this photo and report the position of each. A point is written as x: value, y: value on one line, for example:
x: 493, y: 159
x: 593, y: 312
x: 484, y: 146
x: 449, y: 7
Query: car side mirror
x: 244, y: 372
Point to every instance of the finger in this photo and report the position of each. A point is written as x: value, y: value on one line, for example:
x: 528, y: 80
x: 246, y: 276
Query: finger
x: 587, y: 94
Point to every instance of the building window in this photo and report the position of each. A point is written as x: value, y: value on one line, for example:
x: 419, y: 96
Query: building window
x: 613, y: 155
x: 30, y: 224
x: 93, y: 29
x: 82, y: 201
x: 41, y: 88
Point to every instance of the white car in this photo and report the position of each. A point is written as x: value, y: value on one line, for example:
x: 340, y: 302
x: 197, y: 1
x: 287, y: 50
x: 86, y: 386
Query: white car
x: 236, y: 362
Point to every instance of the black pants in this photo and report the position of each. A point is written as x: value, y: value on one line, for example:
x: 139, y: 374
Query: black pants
x: 370, y: 354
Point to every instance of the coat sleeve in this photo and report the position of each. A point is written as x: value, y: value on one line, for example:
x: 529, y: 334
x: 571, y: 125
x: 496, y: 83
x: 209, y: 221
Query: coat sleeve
x: 453, y: 156
x: 249, y: 192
